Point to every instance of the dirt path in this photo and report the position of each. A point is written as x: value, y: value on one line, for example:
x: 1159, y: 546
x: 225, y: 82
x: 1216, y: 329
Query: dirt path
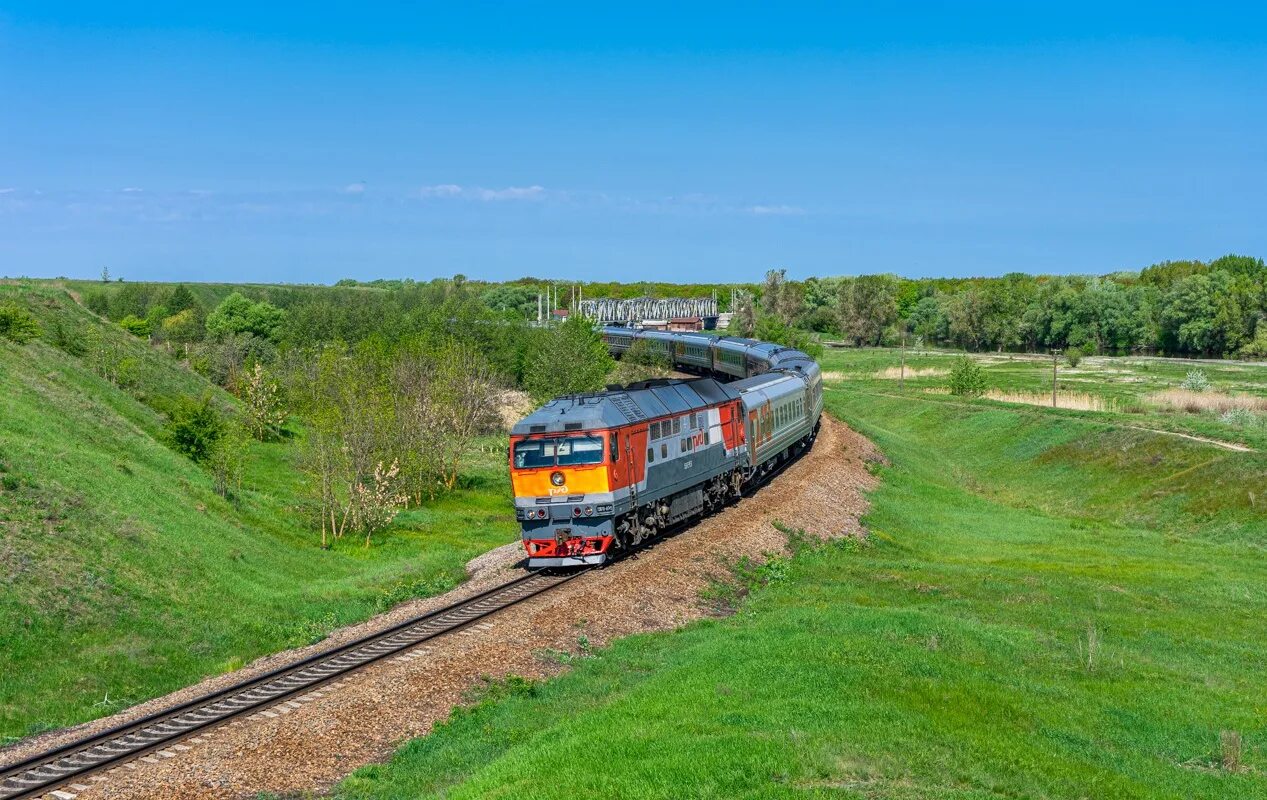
x: 311, y: 744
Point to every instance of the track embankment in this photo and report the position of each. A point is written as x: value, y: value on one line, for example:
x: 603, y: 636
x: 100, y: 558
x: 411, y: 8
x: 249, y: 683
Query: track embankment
x: 310, y: 745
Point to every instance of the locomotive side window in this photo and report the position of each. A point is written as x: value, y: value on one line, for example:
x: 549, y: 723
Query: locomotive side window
x: 615, y: 447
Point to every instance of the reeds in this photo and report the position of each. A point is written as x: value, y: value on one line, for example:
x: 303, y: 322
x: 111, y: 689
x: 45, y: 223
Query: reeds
x: 894, y: 373
x: 1193, y: 402
x: 1080, y: 401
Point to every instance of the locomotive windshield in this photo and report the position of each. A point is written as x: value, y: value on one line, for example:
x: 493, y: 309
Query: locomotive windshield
x: 565, y: 452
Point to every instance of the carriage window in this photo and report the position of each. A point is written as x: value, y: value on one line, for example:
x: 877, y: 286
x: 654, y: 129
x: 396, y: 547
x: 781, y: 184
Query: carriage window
x: 677, y: 425
x: 664, y: 450
x: 650, y: 455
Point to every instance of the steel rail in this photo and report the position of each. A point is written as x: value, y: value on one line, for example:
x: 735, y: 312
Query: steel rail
x: 46, y: 771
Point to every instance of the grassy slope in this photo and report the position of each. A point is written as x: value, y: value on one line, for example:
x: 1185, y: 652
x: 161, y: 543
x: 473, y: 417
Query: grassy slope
x: 123, y: 575
x: 949, y: 659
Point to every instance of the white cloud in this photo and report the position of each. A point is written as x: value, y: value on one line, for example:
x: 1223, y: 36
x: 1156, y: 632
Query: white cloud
x: 355, y: 188
x: 533, y: 192
x: 776, y: 211
x: 9, y: 190
x: 442, y: 190
x: 512, y: 193
x: 132, y: 189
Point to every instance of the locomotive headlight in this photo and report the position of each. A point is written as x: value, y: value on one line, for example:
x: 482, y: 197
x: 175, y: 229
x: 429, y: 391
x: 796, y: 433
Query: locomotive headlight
x: 556, y: 478
x: 589, y: 511
x: 541, y: 513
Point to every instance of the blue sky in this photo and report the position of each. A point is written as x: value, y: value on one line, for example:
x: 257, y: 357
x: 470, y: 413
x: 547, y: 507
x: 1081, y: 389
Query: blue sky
x: 651, y: 141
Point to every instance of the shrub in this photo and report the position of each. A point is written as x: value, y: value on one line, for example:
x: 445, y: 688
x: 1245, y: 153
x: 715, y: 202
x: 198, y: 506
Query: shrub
x: 135, y: 325
x: 68, y: 339
x: 195, y: 427
x: 966, y: 378
x: 1239, y: 417
x: 1074, y: 356
x: 17, y: 324
x: 1196, y: 381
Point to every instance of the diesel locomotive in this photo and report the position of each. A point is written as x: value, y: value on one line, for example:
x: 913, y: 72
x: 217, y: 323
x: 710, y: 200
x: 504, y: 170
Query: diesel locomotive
x: 601, y: 472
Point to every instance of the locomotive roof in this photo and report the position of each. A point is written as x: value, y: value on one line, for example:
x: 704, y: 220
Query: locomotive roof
x: 617, y: 407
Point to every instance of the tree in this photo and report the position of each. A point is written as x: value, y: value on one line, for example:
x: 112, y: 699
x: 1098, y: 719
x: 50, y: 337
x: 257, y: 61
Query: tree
x: 262, y: 401
x: 135, y: 325
x: 463, y: 400
x: 641, y: 362
x: 770, y: 329
x: 375, y: 503
x: 743, y: 320
x: 183, y: 327
x: 194, y: 427
x: 780, y: 299
x: 227, y: 458
x: 966, y: 378
x: 1203, y: 313
x: 237, y: 314
x: 182, y: 300
x: 568, y: 359
x: 17, y: 324
x: 868, y: 307
x: 927, y: 320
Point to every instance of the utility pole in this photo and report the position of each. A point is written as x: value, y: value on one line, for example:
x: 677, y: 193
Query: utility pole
x: 1054, y: 361
x: 901, y: 380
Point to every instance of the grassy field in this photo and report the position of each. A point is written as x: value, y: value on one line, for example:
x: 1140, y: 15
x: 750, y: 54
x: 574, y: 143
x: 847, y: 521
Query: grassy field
x: 1051, y: 604
x: 123, y: 575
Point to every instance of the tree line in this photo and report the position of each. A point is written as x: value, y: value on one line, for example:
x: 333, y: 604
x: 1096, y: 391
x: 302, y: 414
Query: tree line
x: 1183, y: 308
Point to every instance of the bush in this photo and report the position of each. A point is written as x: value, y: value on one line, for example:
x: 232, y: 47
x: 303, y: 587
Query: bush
x: 135, y: 325
x: 1074, y: 356
x: 1239, y: 417
x: 17, y: 325
x: 195, y: 427
x: 966, y: 378
x: 68, y: 339
x: 1196, y: 382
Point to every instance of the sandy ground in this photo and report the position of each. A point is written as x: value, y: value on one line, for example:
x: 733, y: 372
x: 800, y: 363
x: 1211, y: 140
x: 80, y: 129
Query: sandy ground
x: 309, y: 744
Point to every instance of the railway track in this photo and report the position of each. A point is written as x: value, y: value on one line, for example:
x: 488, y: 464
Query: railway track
x: 44, y: 773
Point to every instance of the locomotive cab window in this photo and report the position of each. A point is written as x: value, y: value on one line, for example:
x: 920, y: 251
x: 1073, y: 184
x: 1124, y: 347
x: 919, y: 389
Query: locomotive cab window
x: 564, y: 452
x: 615, y: 448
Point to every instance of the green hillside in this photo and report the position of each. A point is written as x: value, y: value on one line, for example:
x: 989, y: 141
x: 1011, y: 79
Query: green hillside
x: 124, y: 575
x: 1048, y: 606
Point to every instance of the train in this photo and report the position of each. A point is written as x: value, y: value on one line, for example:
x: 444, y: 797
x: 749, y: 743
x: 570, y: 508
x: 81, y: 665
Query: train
x: 599, y: 473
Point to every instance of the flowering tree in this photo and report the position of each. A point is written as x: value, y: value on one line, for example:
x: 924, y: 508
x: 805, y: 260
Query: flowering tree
x: 262, y: 398
x: 375, y: 504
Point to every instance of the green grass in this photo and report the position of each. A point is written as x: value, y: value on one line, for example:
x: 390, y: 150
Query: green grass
x: 1048, y: 606
x: 123, y: 575
x: 1125, y: 382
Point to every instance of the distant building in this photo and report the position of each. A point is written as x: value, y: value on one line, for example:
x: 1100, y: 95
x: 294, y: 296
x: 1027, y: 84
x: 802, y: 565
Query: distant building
x: 559, y: 314
x: 686, y: 324
x: 655, y: 325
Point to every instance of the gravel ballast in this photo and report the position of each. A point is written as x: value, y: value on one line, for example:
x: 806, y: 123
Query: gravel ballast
x: 310, y: 744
